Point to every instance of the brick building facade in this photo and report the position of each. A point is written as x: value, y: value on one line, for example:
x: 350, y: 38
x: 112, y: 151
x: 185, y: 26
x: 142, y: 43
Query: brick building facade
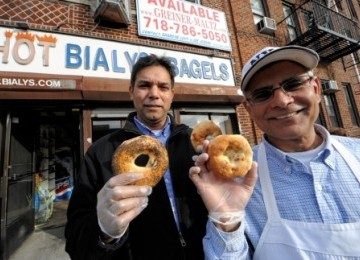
x: 334, y: 22
x: 65, y: 69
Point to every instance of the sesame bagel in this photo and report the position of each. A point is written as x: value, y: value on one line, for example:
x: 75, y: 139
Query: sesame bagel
x: 125, y: 159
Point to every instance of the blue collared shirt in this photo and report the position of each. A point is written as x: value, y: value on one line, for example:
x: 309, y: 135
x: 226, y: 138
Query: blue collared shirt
x: 162, y: 135
x: 328, y: 193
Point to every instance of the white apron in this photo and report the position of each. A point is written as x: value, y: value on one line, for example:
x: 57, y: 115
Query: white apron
x: 291, y: 240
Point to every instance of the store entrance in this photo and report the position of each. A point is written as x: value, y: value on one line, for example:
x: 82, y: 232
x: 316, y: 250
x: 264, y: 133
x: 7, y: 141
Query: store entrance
x: 40, y: 154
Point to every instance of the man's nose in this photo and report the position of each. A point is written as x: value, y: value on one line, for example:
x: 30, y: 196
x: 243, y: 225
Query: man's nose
x: 154, y: 90
x: 282, y: 92
x: 280, y: 97
x: 279, y: 88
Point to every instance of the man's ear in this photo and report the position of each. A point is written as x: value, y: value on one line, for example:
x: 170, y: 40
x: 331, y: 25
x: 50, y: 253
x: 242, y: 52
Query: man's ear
x: 317, y: 87
x: 131, y: 90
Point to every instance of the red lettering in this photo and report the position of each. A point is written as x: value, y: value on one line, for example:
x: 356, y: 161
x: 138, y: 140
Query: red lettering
x: 183, y: 8
x: 216, y: 17
x: 212, y: 16
x: 193, y: 11
x: 152, y: 2
x: 201, y: 12
x: 171, y: 5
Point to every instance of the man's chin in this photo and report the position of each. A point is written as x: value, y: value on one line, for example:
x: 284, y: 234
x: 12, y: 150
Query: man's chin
x: 153, y: 120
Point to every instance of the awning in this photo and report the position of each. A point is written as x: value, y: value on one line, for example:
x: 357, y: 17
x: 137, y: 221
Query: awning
x: 49, y: 87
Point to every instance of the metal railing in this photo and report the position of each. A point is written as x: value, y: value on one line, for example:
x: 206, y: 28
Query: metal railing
x: 327, y: 18
x: 317, y: 25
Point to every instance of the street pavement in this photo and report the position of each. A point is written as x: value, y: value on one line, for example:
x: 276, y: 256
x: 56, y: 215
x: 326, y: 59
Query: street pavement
x: 46, y: 242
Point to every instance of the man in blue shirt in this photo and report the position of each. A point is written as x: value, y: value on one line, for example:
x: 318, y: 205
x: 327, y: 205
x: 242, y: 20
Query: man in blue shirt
x: 305, y: 202
x: 108, y: 217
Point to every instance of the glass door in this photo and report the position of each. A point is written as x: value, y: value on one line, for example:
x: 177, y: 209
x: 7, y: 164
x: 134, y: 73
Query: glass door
x: 3, y: 183
x: 39, y: 157
x: 17, y: 211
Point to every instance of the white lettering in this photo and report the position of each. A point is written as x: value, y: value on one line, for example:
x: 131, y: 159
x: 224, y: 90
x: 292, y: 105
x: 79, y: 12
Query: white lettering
x: 42, y: 83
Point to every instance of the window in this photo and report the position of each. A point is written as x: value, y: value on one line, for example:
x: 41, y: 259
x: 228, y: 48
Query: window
x: 85, y: 2
x: 350, y: 101
x: 290, y: 20
x: 258, y: 10
x: 356, y: 57
x: 111, y: 11
x: 105, y: 121
x: 333, y: 112
x: 194, y: 1
x: 329, y: 90
x: 101, y: 127
x: 225, y: 118
x: 352, y: 9
x: 339, y: 5
x: 308, y: 18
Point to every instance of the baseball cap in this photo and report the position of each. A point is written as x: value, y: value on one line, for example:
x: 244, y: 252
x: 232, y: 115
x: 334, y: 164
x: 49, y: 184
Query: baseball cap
x: 304, y: 56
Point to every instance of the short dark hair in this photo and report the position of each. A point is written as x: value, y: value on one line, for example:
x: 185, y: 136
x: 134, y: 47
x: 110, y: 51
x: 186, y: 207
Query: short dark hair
x: 152, y: 60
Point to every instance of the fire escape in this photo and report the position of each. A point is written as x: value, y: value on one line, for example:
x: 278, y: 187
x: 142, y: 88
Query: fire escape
x: 326, y: 31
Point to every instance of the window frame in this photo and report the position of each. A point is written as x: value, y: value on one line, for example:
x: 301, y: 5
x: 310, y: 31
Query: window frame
x: 258, y: 14
x: 293, y: 25
x: 351, y: 104
x: 338, y: 4
x: 212, y: 114
x: 84, y: 2
x: 352, y: 9
x: 332, y: 109
x: 321, y: 120
x: 194, y: 1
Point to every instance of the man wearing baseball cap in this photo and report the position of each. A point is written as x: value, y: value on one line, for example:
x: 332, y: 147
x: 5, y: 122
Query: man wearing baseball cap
x: 305, y: 202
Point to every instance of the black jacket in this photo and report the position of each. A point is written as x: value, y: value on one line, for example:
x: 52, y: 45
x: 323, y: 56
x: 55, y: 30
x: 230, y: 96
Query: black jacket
x: 153, y: 234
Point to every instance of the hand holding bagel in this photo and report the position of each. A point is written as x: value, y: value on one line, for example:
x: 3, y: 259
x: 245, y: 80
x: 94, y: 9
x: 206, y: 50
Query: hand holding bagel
x: 230, y: 156
x: 119, y: 202
x: 224, y: 158
x: 224, y: 198
x: 125, y: 195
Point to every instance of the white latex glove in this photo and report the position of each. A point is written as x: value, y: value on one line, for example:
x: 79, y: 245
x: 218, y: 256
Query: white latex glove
x: 225, y: 199
x: 119, y: 202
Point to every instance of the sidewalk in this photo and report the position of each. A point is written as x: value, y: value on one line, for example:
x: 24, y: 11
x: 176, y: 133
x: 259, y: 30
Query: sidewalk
x: 46, y: 242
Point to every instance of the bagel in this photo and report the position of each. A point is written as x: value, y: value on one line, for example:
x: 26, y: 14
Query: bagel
x: 145, y: 150
x: 230, y: 156
x: 205, y: 130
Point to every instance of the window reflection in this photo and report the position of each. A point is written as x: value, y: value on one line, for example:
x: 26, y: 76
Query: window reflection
x: 225, y: 121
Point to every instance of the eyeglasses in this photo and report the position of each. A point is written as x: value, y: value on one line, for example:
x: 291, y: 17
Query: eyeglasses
x: 290, y: 85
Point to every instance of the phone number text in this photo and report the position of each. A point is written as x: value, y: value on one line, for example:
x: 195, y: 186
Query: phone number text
x: 184, y: 29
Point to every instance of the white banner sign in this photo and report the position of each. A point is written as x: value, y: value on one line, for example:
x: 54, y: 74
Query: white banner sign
x: 59, y: 54
x: 182, y: 21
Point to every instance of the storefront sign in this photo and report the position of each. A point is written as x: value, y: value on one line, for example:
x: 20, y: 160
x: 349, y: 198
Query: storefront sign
x: 37, y: 83
x: 58, y: 54
x: 182, y: 21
